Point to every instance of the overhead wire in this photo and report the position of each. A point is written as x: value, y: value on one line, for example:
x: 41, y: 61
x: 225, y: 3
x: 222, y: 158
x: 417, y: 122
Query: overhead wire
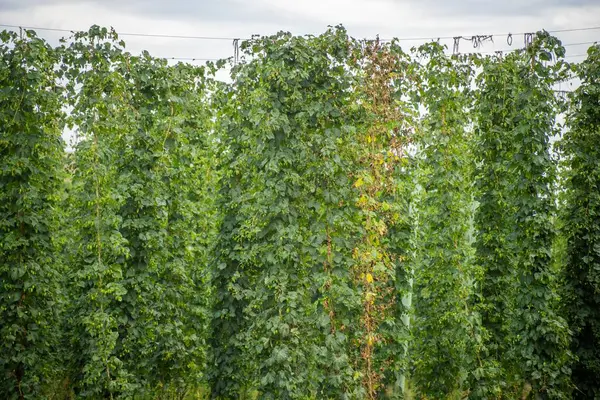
x: 480, y: 52
x: 509, y: 34
x: 520, y: 48
x: 168, y: 36
x: 477, y: 40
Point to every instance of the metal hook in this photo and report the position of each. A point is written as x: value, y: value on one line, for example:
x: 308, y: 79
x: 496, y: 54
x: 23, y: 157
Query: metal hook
x: 478, y: 40
x: 236, y: 50
x: 528, y: 39
x: 456, y: 43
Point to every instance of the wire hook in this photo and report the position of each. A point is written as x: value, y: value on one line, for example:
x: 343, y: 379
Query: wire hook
x: 236, y: 50
x: 456, y: 44
x: 478, y: 40
x: 528, y: 39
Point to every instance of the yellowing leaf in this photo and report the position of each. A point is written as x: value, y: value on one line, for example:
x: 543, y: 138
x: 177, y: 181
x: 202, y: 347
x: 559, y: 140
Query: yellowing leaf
x: 370, y: 340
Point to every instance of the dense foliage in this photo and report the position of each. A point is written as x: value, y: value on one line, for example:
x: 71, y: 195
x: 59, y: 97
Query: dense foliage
x: 444, y: 264
x: 286, y: 305
x: 143, y: 219
x: 581, y: 225
x: 31, y: 185
x: 515, y: 121
x: 342, y: 219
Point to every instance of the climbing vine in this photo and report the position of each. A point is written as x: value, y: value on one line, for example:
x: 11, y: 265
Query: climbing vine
x: 444, y: 269
x: 515, y: 121
x: 97, y: 93
x: 147, y: 282
x: 168, y: 222
x: 581, y: 227
x: 283, y: 287
x: 31, y: 182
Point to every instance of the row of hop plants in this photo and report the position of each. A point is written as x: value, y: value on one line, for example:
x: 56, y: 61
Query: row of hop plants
x: 341, y: 219
x: 105, y: 245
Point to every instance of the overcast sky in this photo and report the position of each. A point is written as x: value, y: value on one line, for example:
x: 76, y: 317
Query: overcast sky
x: 362, y: 18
